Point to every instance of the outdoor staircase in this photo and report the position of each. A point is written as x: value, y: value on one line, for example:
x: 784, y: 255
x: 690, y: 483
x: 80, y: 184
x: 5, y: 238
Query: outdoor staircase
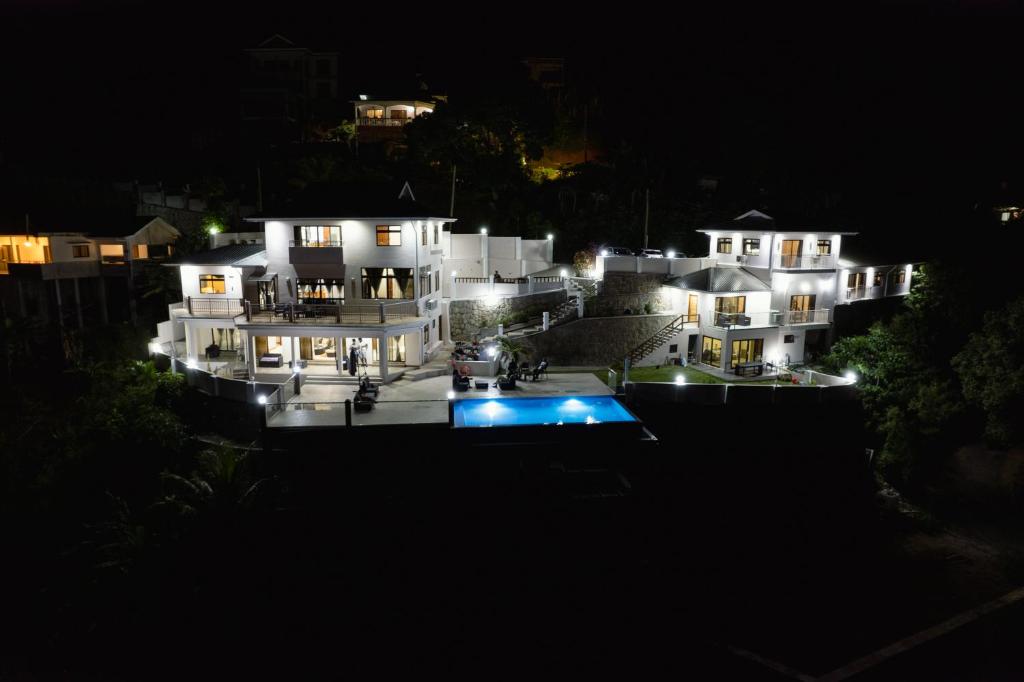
x: 241, y: 373
x: 659, y: 338
x: 563, y: 313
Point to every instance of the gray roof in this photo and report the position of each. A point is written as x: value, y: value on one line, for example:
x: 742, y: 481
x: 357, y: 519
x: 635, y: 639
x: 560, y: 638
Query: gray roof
x: 231, y: 254
x: 719, y: 280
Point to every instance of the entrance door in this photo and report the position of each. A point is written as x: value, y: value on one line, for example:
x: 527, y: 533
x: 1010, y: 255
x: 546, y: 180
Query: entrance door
x: 261, y: 346
x: 711, y: 353
x: 791, y: 249
x: 691, y: 309
x: 800, y: 308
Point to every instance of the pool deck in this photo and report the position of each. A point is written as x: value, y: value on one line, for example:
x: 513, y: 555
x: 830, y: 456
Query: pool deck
x: 417, y: 402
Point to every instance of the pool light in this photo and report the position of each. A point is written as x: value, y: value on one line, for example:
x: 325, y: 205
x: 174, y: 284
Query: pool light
x: 451, y: 395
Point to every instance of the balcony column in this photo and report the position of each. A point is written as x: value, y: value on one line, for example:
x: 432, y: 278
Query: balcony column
x: 78, y: 303
x: 339, y: 356
x: 382, y: 356
x: 295, y: 352
x: 250, y: 353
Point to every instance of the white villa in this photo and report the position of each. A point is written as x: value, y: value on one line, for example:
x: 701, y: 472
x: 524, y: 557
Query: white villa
x: 338, y: 282
x: 760, y: 296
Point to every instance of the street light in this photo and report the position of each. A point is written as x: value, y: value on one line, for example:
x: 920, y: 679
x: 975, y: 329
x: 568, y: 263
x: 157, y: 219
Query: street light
x: 483, y: 230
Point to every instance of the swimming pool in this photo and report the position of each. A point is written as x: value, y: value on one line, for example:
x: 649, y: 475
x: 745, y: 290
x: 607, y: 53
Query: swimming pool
x: 540, y: 411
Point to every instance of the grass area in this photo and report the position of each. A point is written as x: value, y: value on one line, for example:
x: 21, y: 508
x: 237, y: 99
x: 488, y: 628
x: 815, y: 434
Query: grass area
x: 669, y: 373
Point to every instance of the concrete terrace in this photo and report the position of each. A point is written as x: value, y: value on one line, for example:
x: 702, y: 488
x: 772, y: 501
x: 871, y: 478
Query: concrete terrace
x: 414, y: 402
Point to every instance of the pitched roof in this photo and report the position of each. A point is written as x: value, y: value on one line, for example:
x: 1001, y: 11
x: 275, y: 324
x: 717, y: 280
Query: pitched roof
x: 232, y: 254
x: 755, y: 221
x: 719, y: 280
x: 351, y: 200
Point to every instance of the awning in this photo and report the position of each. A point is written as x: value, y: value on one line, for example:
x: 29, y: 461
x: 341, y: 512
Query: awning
x: 268, y: 277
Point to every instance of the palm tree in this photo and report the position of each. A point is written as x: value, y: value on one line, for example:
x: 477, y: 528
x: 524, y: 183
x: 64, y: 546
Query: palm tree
x: 509, y: 350
x: 221, y: 487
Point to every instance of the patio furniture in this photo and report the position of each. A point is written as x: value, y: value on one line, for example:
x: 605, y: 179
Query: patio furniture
x: 459, y: 383
x: 362, y: 404
x: 542, y: 368
x: 506, y: 383
x: 744, y: 369
x: 271, y: 360
x: 301, y: 363
x: 481, y: 385
x: 212, y: 351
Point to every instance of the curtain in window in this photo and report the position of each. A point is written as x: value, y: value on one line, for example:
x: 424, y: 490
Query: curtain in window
x: 371, y: 281
x: 403, y: 276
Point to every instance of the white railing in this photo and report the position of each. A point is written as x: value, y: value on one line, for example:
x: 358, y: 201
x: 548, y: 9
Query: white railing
x: 816, y: 316
x: 804, y: 262
x: 767, y: 318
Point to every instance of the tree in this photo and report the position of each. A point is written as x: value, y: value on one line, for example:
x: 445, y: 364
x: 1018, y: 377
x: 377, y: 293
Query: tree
x: 991, y: 371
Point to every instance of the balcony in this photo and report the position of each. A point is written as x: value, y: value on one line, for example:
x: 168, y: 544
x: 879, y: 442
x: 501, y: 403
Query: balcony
x: 306, y: 252
x: 812, y: 262
x: 214, y: 307
x: 330, y: 314
x: 768, y: 318
x: 367, y: 122
x: 789, y: 318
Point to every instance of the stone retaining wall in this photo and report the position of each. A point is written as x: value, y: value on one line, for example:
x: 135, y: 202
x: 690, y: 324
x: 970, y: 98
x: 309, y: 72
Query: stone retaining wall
x: 468, y: 316
x: 592, y: 341
x: 627, y: 290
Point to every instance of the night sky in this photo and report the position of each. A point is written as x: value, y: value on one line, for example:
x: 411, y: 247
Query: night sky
x: 905, y: 109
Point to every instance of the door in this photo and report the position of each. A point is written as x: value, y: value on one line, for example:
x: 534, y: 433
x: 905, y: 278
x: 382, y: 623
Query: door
x: 306, y: 347
x: 691, y: 309
x: 712, y: 352
x: 855, y: 285
x: 800, y: 308
x: 791, y: 249
x: 261, y: 346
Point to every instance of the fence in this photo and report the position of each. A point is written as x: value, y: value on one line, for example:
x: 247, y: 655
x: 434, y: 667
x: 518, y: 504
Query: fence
x: 212, y: 382
x: 739, y: 394
x: 337, y: 313
x: 346, y: 414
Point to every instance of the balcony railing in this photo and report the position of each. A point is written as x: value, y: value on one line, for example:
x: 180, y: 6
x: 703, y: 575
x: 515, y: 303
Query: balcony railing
x: 316, y: 244
x: 214, y: 307
x: 804, y: 262
x: 816, y: 316
x: 855, y: 293
x: 769, y: 318
x: 326, y: 313
x: 382, y: 122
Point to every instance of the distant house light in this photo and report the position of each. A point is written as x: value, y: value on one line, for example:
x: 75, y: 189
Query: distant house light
x: 483, y: 230
x: 363, y: 98
x: 550, y: 236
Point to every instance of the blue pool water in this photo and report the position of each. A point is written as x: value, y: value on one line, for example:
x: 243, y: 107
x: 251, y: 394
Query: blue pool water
x: 538, y: 411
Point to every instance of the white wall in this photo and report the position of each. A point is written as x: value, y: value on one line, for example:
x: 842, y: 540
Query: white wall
x: 190, y: 280
x: 822, y: 285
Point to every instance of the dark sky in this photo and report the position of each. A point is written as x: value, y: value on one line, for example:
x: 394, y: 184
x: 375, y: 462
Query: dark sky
x: 913, y: 97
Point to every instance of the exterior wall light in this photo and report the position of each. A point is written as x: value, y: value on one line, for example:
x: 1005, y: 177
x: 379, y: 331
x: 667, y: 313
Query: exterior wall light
x: 550, y: 236
x: 483, y: 230
x: 262, y: 400
x: 604, y: 253
x: 670, y: 254
x: 851, y: 377
x: 563, y: 272
x: 451, y: 395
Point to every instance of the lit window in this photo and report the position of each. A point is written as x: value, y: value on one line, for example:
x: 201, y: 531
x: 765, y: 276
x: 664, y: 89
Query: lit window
x: 824, y: 247
x: 79, y: 250
x: 389, y: 235
x: 725, y: 245
x: 211, y: 284
x: 751, y: 247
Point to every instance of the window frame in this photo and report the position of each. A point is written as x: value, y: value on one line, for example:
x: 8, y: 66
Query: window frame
x: 389, y: 231
x: 75, y: 248
x: 207, y: 279
x: 827, y: 244
x: 724, y: 241
x: 751, y: 246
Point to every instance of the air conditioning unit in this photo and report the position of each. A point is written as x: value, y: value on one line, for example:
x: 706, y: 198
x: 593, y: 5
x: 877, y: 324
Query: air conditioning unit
x: 432, y: 304
x: 741, y: 258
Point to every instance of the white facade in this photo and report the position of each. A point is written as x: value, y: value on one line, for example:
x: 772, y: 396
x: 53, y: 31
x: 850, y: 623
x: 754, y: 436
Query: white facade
x: 803, y: 279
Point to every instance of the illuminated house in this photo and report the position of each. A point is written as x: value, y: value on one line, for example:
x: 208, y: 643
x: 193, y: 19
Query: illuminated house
x: 74, y: 278
x: 341, y: 276
x: 383, y: 119
x: 761, y: 295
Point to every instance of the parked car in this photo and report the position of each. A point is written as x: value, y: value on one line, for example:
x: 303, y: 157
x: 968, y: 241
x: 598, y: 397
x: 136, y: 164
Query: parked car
x: 616, y: 251
x: 650, y: 253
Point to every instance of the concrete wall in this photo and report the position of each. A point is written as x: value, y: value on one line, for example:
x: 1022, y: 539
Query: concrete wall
x: 468, y: 316
x: 593, y: 341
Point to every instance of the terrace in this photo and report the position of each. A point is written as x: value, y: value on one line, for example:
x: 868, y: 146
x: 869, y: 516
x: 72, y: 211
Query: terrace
x: 337, y: 313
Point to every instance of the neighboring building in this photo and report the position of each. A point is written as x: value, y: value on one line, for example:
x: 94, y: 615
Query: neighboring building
x: 288, y: 89
x: 337, y: 272
x: 761, y: 295
x: 548, y: 72
x: 76, y: 278
x: 383, y: 119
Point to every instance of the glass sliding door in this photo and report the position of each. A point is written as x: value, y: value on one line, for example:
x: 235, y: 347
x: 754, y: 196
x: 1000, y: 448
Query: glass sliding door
x: 711, y: 353
x: 800, y: 308
x: 791, y: 249
x: 746, y: 350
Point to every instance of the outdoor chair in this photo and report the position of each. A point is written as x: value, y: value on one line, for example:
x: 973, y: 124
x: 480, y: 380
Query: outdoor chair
x: 542, y: 369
